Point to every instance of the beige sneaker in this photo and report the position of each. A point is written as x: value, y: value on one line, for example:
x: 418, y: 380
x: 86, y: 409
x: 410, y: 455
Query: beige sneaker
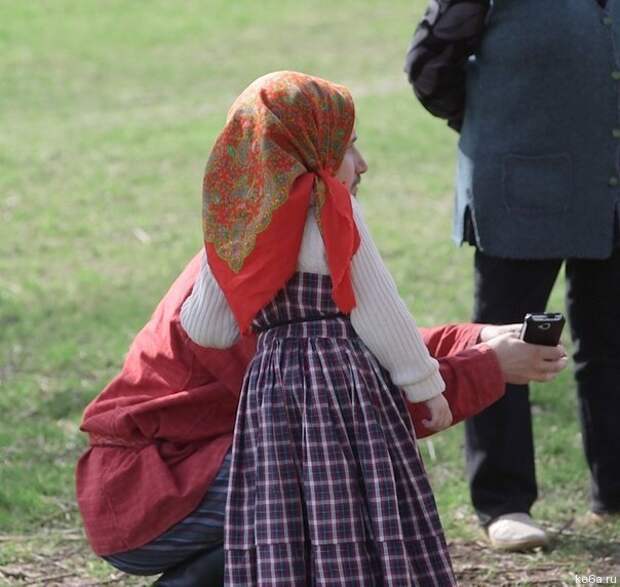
x: 515, y: 532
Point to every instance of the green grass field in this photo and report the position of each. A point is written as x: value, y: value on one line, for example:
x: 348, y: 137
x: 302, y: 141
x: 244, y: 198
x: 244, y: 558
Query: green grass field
x: 107, y: 114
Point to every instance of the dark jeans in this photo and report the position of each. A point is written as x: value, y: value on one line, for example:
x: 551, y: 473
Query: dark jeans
x: 192, y: 544
x: 498, y: 442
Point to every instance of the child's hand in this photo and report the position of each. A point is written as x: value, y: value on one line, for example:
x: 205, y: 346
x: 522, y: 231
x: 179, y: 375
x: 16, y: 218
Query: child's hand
x: 441, y: 416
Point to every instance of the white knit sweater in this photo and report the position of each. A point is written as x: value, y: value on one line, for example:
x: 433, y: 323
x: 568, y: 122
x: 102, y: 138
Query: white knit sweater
x: 380, y: 316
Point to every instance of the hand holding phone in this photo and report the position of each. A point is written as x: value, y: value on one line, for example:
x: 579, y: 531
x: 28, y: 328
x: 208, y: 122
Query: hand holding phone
x: 542, y: 329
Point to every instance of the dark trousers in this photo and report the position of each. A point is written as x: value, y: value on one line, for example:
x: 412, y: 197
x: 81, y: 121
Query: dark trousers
x: 498, y: 442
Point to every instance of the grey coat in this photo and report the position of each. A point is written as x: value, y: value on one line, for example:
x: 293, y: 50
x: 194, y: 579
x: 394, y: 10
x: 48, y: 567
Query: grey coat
x: 539, y: 154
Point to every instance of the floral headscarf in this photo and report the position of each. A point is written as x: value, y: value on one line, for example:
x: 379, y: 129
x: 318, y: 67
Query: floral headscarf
x: 284, y: 139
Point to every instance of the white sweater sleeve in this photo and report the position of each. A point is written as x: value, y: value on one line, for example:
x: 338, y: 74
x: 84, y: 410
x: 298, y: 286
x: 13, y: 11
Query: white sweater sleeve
x: 206, y: 315
x: 383, y: 322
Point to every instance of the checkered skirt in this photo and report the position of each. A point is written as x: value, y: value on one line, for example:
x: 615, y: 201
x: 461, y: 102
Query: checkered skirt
x: 327, y: 486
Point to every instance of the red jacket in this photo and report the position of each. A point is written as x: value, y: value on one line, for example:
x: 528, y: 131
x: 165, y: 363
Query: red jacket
x: 159, y: 431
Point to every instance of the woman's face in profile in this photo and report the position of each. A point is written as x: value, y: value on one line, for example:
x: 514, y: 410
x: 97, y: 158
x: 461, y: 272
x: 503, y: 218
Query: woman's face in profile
x: 353, y: 166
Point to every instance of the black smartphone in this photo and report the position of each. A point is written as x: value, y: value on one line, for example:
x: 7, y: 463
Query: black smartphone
x: 544, y: 329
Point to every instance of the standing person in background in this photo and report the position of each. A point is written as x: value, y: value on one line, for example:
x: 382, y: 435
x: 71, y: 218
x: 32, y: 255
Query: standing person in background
x: 533, y: 88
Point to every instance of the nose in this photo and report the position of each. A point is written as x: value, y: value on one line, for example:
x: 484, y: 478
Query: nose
x: 360, y: 165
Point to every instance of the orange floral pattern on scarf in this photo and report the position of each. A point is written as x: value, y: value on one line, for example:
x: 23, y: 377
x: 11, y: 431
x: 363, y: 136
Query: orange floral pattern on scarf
x: 284, y: 137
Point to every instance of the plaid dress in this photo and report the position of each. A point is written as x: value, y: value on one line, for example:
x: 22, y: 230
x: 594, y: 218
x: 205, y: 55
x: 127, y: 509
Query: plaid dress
x: 327, y: 487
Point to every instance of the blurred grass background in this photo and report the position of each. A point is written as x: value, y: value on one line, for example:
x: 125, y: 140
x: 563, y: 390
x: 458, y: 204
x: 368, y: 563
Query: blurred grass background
x: 108, y: 111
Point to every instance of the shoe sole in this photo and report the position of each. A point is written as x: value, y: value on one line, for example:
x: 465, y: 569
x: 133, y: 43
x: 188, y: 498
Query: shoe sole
x: 519, y: 545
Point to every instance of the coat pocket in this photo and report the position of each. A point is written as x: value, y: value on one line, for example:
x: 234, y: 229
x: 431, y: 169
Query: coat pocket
x: 537, y: 185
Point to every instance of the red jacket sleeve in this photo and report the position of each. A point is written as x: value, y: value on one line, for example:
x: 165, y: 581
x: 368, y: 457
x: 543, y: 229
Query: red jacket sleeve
x: 470, y: 371
x: 450, y: 339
